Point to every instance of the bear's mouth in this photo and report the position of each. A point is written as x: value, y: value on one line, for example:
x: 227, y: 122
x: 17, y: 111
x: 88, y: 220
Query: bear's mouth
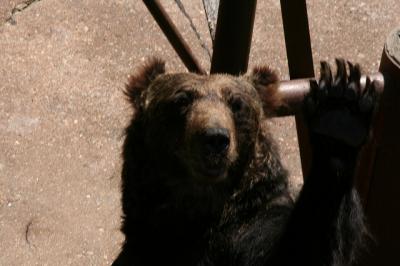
x: 211, y: 170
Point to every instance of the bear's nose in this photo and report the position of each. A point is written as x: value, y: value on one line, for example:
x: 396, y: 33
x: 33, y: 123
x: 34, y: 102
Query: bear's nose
x: 216, y: 140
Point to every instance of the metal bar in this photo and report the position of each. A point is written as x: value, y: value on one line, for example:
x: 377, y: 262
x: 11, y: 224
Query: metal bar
x: 299, y: 55
x: 174, y: 37
x: 294, y: 91
x: 382, y: 202
x: 233, y: 36
x: 297, y: 38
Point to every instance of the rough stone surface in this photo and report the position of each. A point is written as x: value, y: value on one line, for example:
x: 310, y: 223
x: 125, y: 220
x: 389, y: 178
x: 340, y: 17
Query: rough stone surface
x: 7, y: 7
x: 63, y: 65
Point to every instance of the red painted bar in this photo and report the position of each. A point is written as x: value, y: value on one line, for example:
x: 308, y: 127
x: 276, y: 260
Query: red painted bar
x: 299, y: 55
x: 174, y: 37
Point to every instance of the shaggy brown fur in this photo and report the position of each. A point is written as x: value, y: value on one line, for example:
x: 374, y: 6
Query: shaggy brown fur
x: 202, y: 182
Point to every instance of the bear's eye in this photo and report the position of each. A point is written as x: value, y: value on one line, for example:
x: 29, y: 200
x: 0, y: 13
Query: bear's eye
x: 237, y: 104
x: 182, y: 99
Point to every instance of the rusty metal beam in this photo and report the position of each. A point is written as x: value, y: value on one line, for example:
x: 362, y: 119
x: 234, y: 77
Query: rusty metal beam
x: 294, y: 91
x: 299, y: 55
x: 233, y: 36
x: 174, y: 37
x: 297, y: 38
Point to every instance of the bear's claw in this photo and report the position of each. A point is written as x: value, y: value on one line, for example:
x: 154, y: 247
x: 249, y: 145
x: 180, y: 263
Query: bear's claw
x: 337, y: 107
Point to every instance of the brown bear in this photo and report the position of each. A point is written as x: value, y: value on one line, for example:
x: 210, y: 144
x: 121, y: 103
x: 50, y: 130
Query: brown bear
x: 202, y: 181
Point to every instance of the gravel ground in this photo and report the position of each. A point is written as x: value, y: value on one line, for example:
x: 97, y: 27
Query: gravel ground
x: 63, y: 65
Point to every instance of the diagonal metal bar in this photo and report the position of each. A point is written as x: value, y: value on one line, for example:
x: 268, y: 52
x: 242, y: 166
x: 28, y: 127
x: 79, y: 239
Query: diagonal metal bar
x: 174, y: 37
x: 193, y: 27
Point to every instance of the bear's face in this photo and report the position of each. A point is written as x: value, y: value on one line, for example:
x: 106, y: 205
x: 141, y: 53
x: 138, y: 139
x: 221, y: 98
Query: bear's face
x: 210, y: 120
x: 206, y: 124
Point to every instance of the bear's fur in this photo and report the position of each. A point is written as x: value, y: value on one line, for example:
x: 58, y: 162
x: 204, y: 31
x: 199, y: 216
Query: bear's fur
x: 202, y: 181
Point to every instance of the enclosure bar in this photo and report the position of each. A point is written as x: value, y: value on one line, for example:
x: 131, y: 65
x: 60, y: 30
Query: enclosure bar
x: 297, y: 38
x: 294, y: 91
x: 174, y: 37
x: 233, y: 36
x: 299, y: 55
x: 383, y: 204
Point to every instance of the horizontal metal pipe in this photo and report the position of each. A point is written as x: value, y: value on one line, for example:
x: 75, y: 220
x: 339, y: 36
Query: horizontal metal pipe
x: 300, y: 63
x: 294, y: 91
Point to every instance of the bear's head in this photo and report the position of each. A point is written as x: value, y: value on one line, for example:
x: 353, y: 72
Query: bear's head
x: 205, y: 126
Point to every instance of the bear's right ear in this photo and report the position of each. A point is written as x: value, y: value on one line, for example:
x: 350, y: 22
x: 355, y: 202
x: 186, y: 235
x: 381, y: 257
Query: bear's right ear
x: 139, y: 81
x: 266, y: 82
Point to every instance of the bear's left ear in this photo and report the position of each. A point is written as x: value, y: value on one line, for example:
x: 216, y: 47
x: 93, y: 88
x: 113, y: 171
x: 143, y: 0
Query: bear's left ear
x: 140, y: 80
x: 266, y: 82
